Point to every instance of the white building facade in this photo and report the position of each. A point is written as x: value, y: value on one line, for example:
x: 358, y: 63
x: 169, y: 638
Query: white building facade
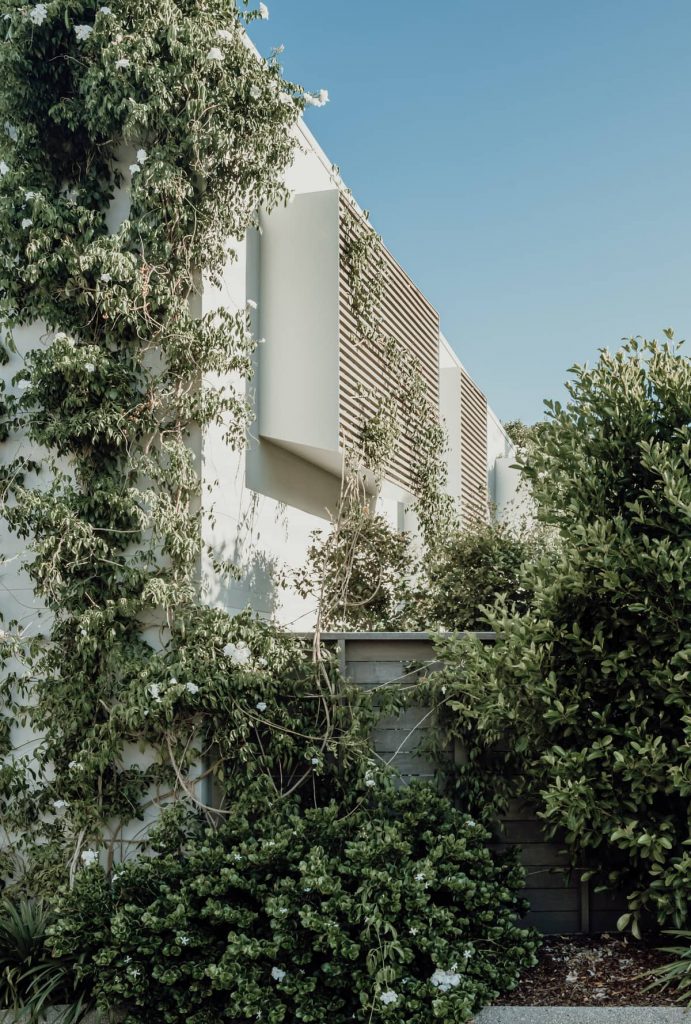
x: 261, y: 505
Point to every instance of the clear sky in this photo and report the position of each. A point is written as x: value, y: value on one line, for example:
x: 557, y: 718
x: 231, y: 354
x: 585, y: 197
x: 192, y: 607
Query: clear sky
x: 528, y: 162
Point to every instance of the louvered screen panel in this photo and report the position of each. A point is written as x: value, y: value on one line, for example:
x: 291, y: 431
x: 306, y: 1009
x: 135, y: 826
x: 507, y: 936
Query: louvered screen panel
x: 474, y: 502
x: 407, y: 316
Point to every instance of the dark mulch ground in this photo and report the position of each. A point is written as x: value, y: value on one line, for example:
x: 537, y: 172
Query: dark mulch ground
x: 591, y: 971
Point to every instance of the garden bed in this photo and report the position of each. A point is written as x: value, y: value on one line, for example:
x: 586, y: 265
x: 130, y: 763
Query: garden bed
x: 592, y: 971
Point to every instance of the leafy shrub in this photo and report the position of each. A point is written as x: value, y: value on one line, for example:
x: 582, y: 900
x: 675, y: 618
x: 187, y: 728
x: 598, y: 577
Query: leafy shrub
x: 587, y: 693
x: 473, y: 568
x: 396, y: 911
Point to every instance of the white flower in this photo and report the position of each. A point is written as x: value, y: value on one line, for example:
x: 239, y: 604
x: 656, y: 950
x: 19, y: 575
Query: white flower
x: 106, y: 278
x: 370, y: 780
x: 38, y: 14
x: 238, y: 653
x: 3, y: 168
x: 413, y: 931
x: 27, y: 222
x: 59, y: 805
x: 90, y: 367
x: 261, y: 707
x: 277, y: 974
x: 444, y: 980
x: 89, y: 857
x: 141, y: 156
x: 28, y: 196
x: 11, y: 131
x: 388, y: 997
x: 154, y: 691
x: 122, y: 62
x: 214, y: 54
x: 83, y: 631
x: 173, y: 681
x: 470, y: 823
x: 192, y: 688
x: 104, y: 10
x: 467, y: 954
x: 184, y: 940
x: 315, y: 762
x: 134, y: 169
x: 419, y: 877
x: 251, y: 304
x: 74, y: 766
x: 255, y: 92
x: 224, y: 34
x: 263, y: 12
x: 82, y: 32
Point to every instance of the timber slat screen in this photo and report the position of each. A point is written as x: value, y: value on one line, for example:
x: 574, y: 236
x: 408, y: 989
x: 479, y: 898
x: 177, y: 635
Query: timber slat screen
x: 559, y: 902
x: 364, y: 376
x: 473, y: 451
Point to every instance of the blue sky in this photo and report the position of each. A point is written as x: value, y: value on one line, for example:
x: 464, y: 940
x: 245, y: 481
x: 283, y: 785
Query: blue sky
x: 527, y: 161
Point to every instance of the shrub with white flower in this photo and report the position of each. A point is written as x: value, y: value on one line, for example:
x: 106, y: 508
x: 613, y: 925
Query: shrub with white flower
x: 287, y: 913
x: 83, y: 32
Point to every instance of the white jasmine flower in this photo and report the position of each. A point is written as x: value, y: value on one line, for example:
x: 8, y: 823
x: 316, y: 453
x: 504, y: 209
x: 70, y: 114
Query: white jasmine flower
x: 134, y: 169
x: 27, y: 222
x: 238, y: 653
x: 82, y: 32
x: 261, y: 707
x: 277, y: 974
x: 83, y: 631
x: 388, y: 997
x: 255, y: 92
x: 315, y: 762
x: 237, y: 856
x: 184, y: 940
x: 122, y: 62
x: 263, y: 12
x: 173, y: 681
x: 59, y: 805
x: 28, y: 196
x: 467, y: 954
x: 419, y: 877
x: 413, y: 931
x: 89, y: 857
x: 90, y: 367
x: 141, y: 156
x: 214, y: 54
x: 370, y: 781
x: 224, y: 34
x: 251, y: 304
x: 192, y: 688
x: 470, y: 823
x: 154, y: 691
x: 104, y: 10
x: 74, y: 765
x: 38, y: 14
x: 106, y: 278
x: 444, y: 980
x: 3, y: 168
x: 11, y: 131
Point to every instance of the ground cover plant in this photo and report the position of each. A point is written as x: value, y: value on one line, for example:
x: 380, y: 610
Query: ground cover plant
x: 585, y: 697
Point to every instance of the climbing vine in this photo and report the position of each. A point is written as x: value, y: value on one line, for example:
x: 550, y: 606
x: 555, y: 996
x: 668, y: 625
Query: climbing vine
x: 363, y: 571
x: 138, y: 140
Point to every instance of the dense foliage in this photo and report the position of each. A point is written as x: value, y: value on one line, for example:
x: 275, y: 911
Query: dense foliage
x: 585, y: 697
x: 396, y: 911
x: 474, y: 568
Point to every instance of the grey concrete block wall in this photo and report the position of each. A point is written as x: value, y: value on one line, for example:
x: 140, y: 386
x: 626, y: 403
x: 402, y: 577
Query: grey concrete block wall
x: 560, y: 903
